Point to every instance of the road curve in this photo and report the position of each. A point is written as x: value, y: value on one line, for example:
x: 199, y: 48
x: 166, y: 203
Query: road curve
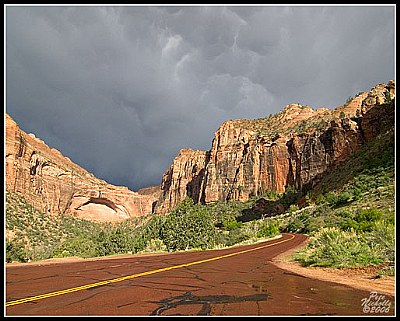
x: 237, y: 281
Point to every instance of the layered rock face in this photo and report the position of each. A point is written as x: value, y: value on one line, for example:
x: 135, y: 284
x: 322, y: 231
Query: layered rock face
x: 183, y: 178
x: 53, y: 184
x: 290, y: 149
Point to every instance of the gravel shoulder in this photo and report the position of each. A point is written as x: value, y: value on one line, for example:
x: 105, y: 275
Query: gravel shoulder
x: 364, y: 278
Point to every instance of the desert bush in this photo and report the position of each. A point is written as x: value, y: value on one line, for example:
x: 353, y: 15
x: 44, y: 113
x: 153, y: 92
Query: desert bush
x: 268, y: 230
x: 155, y: 245
x: 15, y: 252
x: 234, y: 237
x: 363, y: 221
x: 332, y: 247
x: 344, y: 198
x: 331, y: 198
x: 382, y: 237
x: 78, y: 246
x: 232, y: 224
x: 295, y: 225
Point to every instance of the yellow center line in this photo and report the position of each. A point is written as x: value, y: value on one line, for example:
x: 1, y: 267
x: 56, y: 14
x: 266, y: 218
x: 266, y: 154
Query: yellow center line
x: 128, y: 277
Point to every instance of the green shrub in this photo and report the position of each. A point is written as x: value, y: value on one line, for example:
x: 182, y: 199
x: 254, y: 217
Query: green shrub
x: 364, y: 220
x: 232, y: 224
x: 305, y: 222
x: 357, y: 193
x: 268, y: 230
x: 155, y: 245
x: 188, y: 226
x: 368, y: 215
x: 382, y: 237
x: 15, y: 252
x: 331, y: 198
x: 221, y: 211
x: 78, y: 246
x: 236, y: 236
x: 295, y: 225
x: 272, y: 195
x: 344, y: 198
x: 332, y: 247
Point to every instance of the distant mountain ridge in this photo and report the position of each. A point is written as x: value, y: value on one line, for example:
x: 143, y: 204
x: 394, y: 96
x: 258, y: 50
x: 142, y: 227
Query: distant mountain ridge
x: 293, y: 148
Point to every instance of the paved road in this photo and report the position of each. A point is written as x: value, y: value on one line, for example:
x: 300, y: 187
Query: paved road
x: 237, y: 281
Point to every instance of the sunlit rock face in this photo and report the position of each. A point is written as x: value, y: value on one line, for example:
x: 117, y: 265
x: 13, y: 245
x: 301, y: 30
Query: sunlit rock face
x: 290, y: 149
x: 55, y: 185
x: 182, y: 179
x: 248, y: 157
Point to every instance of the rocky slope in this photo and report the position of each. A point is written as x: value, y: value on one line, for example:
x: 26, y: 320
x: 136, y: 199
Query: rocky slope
x: 293, y: 148
x: 53, y: 184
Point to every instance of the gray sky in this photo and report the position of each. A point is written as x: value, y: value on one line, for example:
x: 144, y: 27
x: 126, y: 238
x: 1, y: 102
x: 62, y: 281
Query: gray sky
x: 120, y: 90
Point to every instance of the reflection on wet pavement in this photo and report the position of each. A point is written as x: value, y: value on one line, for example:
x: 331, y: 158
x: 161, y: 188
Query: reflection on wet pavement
x: 189, y: 299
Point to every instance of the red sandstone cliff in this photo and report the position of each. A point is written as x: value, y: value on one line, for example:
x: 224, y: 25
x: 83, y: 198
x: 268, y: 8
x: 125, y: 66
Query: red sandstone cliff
x: 248, y: 157
x: 53, y: 184
x: 291, y: 148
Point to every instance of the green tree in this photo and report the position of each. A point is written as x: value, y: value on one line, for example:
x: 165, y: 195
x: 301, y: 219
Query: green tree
x: 188, y: 226
x: 78, y: 246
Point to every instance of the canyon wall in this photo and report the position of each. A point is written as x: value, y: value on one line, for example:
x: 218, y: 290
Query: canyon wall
x: 248, y: 157
x: 290, y: 149
x: 55, y: 185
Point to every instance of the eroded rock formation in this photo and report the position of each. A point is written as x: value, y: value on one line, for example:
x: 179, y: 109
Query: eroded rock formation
x: 53, y: 184
x: 248, y: 157
x: 183, y: 178
x: 292, y: 148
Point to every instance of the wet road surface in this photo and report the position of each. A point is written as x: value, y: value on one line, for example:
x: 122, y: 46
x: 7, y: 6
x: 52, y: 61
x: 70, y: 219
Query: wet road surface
x: 237, y: 281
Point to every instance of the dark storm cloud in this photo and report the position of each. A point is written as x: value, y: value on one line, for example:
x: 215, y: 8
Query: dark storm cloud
x: 120, y: 90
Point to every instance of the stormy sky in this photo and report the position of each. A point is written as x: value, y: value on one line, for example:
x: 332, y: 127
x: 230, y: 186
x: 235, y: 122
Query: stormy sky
x: 121, y: 89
